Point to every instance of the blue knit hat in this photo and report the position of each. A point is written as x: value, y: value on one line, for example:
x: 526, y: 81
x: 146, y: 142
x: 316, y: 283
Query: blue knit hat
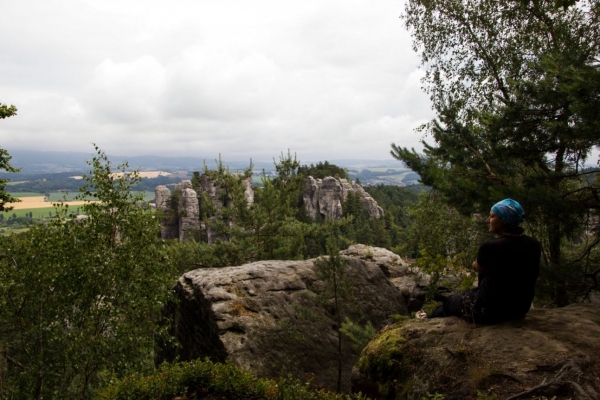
x: 510, y: 211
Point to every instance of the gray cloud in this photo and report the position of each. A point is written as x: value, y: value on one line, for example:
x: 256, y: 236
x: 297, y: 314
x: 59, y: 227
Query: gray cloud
x: 326, y: 80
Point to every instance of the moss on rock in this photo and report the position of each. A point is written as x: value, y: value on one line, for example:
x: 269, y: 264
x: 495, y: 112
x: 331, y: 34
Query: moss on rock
x: 385, y: 361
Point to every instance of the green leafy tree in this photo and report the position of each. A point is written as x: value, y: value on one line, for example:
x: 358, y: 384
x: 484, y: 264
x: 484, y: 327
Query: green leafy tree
x: 80, y: 301
x: 444, y: 242
x: 5, y: 198
x: 324, y: 169
x: 516, y: 89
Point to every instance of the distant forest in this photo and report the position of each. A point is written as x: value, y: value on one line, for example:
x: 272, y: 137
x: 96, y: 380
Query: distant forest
x: 62, y: 181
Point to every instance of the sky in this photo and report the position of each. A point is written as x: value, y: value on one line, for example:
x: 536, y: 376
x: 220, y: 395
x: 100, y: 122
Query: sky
x: 324, y: 79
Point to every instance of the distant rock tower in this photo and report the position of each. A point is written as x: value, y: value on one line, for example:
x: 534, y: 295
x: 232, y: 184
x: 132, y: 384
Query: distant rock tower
x: 323, y: 198
x: 181, y: 209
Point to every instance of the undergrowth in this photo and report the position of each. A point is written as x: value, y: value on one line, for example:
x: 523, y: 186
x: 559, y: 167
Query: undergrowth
x: 201, y: 379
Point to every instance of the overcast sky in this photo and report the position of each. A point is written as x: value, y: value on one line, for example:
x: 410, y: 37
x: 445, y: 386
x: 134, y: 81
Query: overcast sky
x: 326, y: 79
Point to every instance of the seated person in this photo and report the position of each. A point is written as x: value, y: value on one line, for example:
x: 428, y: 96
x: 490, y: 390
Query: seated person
x: 507, y: 267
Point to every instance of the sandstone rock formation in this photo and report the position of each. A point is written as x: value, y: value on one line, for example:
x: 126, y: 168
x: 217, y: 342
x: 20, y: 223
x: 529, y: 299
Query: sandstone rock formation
x: 182, y: 220
x: 323, y: 198
x: 275, y: 317
x: 411, y: 282
x: 169, y: 224
x: 552, y: 352
x: 189, y: 212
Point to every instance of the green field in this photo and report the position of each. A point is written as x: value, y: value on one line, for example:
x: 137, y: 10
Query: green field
x: 64, y: 196
x: 37, y: 212
x: 25, y: 194
x: 7, y: 231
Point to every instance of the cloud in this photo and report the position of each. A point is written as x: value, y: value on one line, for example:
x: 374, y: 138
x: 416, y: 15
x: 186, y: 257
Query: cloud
x: 327, y: 80
x: 126, y: 92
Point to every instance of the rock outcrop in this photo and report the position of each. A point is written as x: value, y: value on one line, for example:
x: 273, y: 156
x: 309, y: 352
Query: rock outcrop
x: 552, y: 352
x: 411, y: 282
x: 323, y: 198
x: 276, y: 317
x: 182, y: 220
x: 169, y: 224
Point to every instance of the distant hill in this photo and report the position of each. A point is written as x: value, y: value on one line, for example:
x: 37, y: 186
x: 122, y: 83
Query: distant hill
x: 42, y: 162
x: 51, y: 171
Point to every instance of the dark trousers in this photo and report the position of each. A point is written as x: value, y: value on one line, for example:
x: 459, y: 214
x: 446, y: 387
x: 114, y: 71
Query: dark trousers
x: 462, y: 305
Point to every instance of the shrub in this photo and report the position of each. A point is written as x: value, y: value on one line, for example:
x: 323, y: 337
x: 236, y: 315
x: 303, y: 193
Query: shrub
x: 199, y: 378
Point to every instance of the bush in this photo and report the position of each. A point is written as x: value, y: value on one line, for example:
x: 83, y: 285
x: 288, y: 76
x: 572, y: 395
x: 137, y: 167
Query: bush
x: 80, y: 301
x: 200, y: 378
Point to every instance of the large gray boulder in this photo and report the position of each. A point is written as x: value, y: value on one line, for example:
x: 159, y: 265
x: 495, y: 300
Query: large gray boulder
x: 276, y: 317
x: 552, y: 352
x: 409, y: 280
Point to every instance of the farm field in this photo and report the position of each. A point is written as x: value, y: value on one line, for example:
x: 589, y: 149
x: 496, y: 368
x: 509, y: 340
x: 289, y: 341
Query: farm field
x: 28, y: 203
x: 24, y: 194
x: 44, y: 212
x: 36, y: 200
x: 35, y: 210
x: 145, y: 174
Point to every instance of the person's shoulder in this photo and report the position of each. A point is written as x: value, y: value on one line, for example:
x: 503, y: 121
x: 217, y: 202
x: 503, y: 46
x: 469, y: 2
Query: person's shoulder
x: 530, y: 239
x: 509, y: 240
x: 494, y: 242
x: 491, y: 244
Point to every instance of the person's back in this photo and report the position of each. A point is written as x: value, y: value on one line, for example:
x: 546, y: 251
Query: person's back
x: 508, y: 268
x: 506, y: 285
